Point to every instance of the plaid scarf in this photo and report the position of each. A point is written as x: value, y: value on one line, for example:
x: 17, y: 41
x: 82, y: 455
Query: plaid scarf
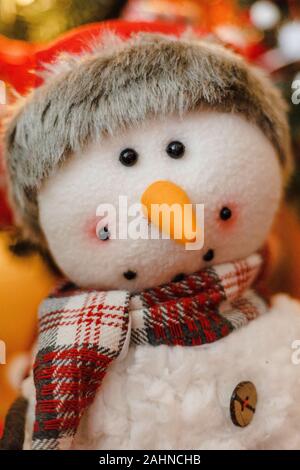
x: 81, y: 333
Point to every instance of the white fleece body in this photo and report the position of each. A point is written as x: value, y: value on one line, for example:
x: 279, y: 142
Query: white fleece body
x: 178, y: 397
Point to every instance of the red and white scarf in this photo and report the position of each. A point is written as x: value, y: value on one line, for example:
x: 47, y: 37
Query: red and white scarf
x: 82, y: 332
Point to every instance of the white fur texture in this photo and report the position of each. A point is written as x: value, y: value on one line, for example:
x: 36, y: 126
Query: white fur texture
x: 178, y: 397
x: 228, y: 162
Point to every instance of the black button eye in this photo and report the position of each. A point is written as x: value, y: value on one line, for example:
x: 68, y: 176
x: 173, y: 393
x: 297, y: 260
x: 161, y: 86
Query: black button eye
x: 225, y: 213
x: 128, y: 157
x: 175, y: 149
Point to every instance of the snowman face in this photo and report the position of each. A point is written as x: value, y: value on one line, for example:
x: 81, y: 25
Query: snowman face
x: 219, y: 160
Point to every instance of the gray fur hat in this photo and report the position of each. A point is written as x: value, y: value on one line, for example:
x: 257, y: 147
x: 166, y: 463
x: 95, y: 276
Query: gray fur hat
x: 120, y: 84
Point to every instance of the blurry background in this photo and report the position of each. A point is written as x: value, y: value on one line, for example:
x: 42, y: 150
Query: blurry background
x: 267, y: 32
x: 41, y: 20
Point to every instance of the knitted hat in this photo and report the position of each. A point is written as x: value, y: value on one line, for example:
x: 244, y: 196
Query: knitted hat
x: 119, y: 84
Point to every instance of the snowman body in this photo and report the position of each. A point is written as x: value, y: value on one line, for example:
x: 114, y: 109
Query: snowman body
x: 179, y: 397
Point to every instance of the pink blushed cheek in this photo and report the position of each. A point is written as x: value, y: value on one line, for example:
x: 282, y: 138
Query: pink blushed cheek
x: 90, y: 228
x: 229, y: 224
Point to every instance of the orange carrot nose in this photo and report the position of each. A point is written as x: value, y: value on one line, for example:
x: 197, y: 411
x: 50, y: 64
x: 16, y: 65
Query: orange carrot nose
x: 169, y: 208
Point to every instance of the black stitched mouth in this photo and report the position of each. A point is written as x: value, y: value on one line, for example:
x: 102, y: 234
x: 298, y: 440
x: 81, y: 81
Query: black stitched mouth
x: 179, y: 277
x: 209, y: 255
x: 130, y: 275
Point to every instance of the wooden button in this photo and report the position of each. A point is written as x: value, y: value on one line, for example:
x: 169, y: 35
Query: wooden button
x: 243, y: 403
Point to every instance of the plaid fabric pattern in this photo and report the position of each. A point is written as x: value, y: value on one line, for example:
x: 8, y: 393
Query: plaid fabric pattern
x: 83, y: 332
x: 80, y: 334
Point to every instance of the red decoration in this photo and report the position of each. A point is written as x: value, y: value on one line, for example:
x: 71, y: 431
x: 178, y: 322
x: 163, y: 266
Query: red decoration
x: 19, y: 60
x: 5, y: 212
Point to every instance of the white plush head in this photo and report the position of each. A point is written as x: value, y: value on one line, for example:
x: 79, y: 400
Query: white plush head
x: 227, y: 163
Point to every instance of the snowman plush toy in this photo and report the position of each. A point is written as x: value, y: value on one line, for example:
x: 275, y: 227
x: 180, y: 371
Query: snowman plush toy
x: 145, y: 343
